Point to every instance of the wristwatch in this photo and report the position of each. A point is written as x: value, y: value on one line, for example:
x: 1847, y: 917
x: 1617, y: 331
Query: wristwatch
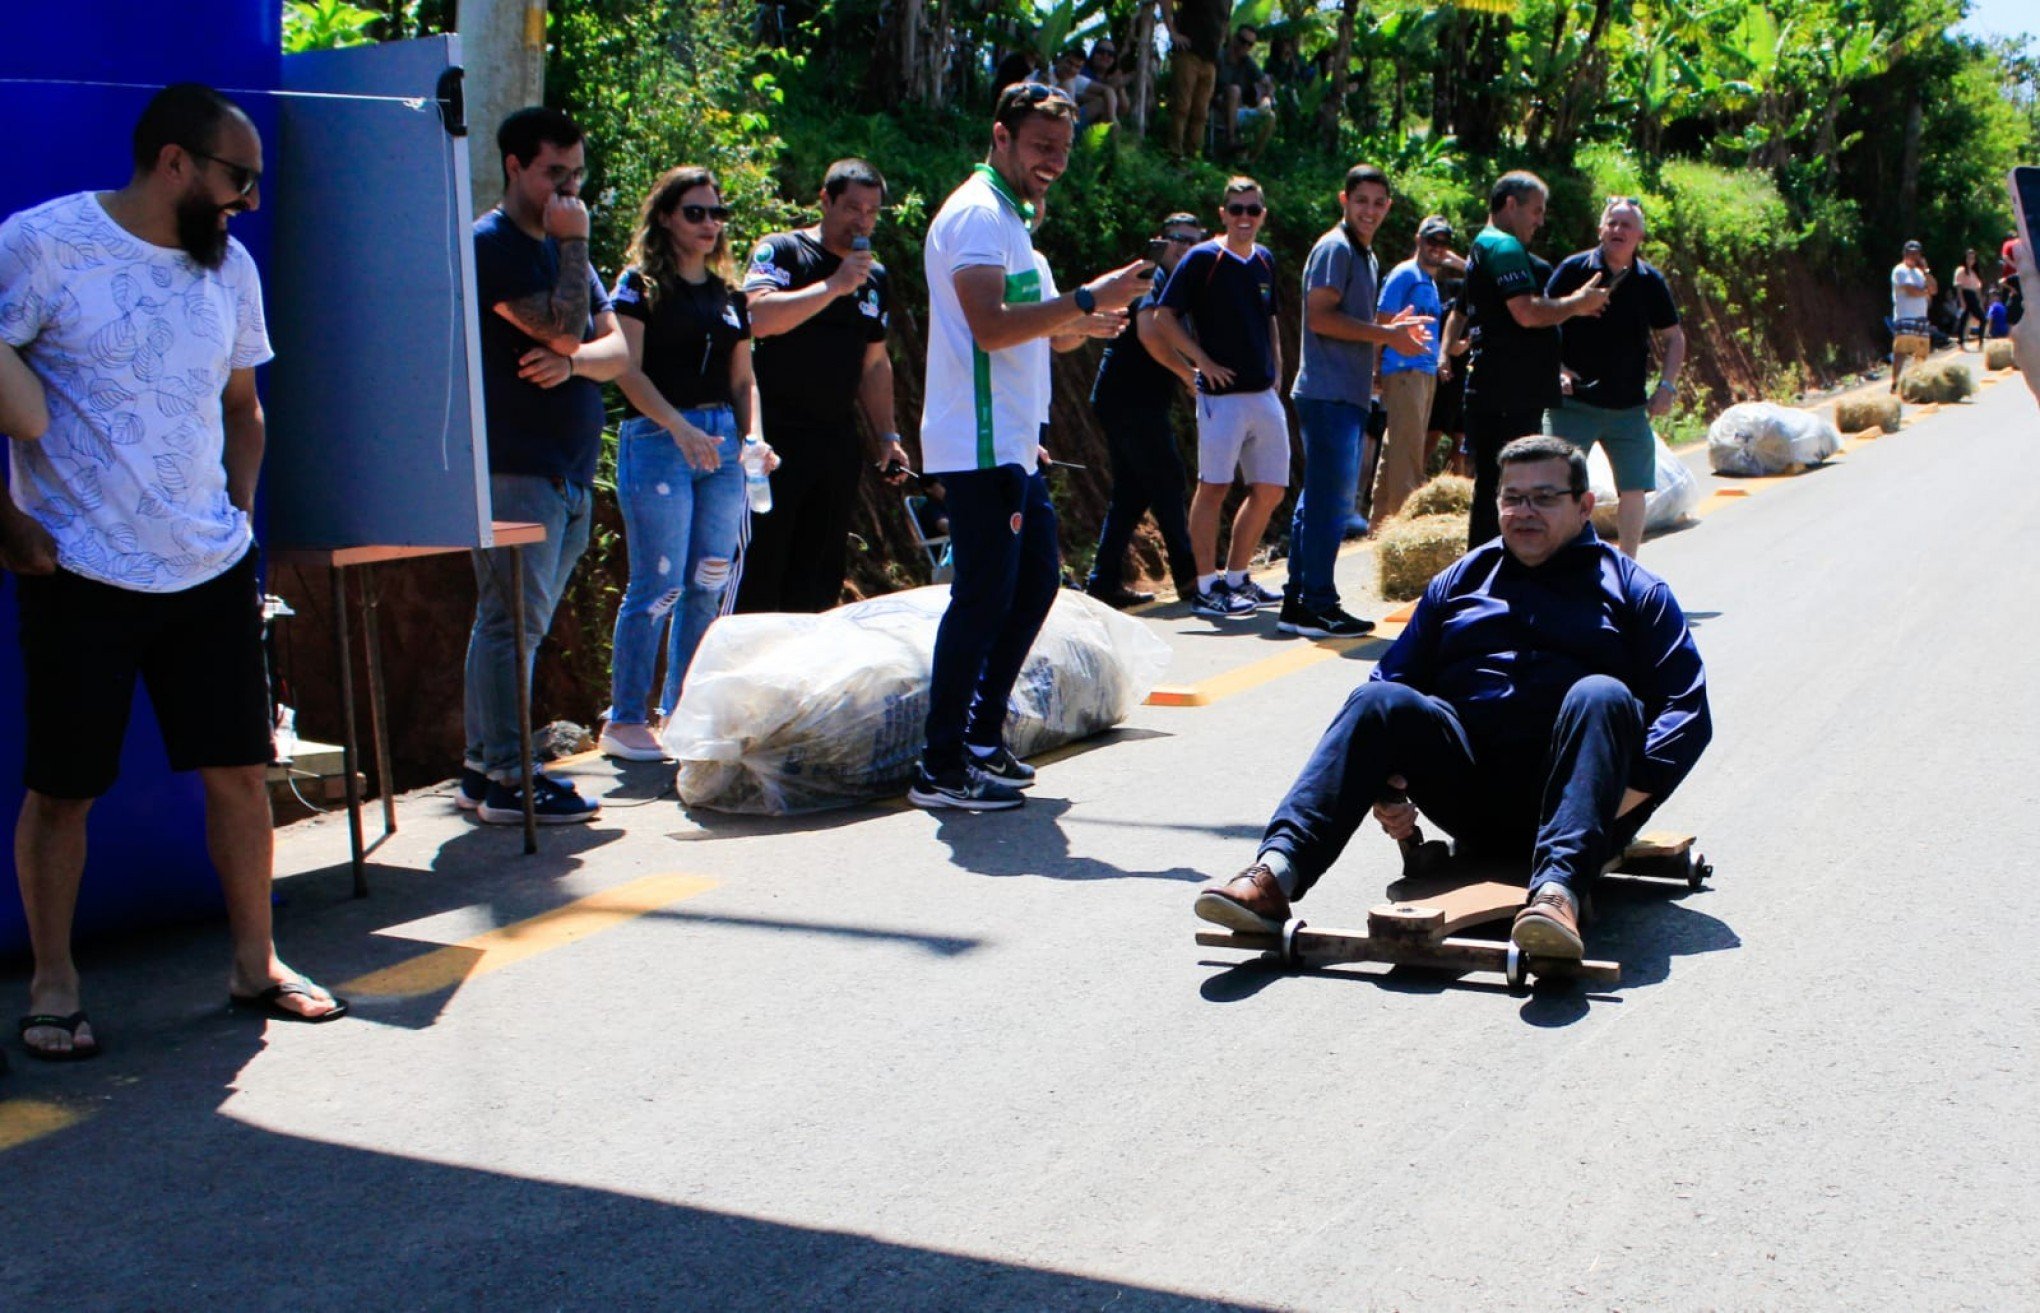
x: 1085, y: 301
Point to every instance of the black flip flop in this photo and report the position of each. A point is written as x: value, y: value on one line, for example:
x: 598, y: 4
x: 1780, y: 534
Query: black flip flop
x: 50, y: 1021
x: 269, y: 1003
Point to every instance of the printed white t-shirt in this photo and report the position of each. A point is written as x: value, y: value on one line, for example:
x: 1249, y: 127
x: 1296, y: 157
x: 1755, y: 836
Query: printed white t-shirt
x: 134, y: 344
x: 982, y: 409
x: 1908, y: 292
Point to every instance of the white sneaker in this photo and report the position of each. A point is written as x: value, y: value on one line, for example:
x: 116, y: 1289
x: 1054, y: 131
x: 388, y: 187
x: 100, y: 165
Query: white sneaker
x: 631, y: 743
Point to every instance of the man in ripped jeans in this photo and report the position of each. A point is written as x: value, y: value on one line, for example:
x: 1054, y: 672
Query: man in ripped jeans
x: 549, y: 340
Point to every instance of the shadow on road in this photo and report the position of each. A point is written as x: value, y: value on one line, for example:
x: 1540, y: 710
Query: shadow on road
x: 158, y: 1198
x: 1030, y: 841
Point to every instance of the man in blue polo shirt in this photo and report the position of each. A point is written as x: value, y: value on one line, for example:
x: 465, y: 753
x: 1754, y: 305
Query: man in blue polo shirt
x: 1607, y: 356
x: 1225, y: 290
x: 1409, y: 382
x: 549, y: 339
x: 1545, y: 699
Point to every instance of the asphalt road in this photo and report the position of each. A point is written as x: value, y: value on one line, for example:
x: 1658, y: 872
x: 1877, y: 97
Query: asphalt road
x: 893, y: 1060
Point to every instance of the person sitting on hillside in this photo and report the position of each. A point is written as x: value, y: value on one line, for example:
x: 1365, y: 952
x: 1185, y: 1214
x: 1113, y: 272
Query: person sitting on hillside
x: 1102, y: 67
x: 1096, y: 102
x: 1545, y: 699
x: 1248, y: 95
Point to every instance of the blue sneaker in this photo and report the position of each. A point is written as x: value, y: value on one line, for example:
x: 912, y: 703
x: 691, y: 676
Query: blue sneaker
x: 554, y: 802
x: 1258, y: 595
x: 474, y: 787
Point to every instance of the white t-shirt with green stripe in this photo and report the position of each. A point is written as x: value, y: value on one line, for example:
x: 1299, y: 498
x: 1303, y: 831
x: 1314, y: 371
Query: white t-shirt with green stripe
x: 982, y: 409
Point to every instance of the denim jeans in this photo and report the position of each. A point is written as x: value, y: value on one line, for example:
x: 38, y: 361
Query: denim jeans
x: 683, y: 528
x: 1555, y: 808
x: 565, y: 509
x: 1008, y: 566
x: 1331, y: 478
x: 1147, y: 475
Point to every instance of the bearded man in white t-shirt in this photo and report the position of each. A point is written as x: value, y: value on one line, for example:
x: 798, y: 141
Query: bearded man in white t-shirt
x: 992, y: 321
x: 128, y: 524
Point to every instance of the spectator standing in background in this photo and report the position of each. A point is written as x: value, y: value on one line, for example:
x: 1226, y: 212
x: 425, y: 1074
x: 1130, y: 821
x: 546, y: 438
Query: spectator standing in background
x: 1513, y: 365
x: 1333, y: 393
x: 1409, y: 381
x: 1226, y: 291
x: 549, y: 340
x: 679, y: 478
x: 1137, y: 382
x: 2008, y: 277
x: 1913, y: 287
x: 819, y: 304
x: 1197, y: 31
x: 1606, y: 360
x: 1969, y: 286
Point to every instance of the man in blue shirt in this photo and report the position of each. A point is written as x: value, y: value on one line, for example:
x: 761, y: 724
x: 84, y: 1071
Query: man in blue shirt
x: 1545, y: 699
x: 1409, y: 381
x: 549, y: 339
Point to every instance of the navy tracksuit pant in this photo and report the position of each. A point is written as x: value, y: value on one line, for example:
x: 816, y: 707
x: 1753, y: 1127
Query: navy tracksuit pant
x: 1551, y: 802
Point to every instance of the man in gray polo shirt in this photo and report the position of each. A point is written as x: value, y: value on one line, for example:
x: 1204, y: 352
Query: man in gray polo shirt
x: 1334, y: 389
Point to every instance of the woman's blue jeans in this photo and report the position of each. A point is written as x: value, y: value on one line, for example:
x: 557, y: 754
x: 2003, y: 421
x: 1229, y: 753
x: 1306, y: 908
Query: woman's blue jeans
x: 683, y: 528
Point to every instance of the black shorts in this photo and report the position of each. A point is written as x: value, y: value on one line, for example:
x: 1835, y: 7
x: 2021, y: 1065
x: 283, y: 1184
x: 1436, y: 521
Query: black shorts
x: 199, y: 651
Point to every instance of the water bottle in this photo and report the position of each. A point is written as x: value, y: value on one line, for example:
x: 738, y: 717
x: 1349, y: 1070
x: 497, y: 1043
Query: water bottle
x: 756, y: 485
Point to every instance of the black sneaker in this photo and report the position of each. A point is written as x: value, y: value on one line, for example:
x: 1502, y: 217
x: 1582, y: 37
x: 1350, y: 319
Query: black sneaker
x: 1222, y: 603
x: 1004, y: 767
x: 963, y: 788
x: 554, y: 802
x: 1332, y: 622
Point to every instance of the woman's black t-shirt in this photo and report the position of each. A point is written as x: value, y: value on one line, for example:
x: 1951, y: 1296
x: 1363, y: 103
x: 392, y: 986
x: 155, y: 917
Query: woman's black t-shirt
x: 691, y: 329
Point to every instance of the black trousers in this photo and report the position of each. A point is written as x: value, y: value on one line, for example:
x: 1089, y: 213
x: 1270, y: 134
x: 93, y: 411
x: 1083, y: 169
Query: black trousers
x: 1147, y: 475
x: 795, y: 558
x: 1487, y: 432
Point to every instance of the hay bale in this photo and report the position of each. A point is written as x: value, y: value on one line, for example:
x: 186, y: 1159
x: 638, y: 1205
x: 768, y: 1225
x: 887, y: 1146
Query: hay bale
x: 1448, y: 494
x: 1410, y: 552
x: 1854, y: 414
x: 1935, y: 382
x: 1998, y: 354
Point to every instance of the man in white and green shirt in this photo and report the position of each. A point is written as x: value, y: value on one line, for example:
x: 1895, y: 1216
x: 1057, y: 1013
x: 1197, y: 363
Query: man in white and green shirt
x: 992, y: 321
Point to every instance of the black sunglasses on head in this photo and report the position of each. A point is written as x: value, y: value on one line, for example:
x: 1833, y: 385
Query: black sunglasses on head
x: 696, y: 213
x: 1251, y: 211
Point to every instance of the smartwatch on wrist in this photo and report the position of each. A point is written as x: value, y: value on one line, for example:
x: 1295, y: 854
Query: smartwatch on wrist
x: 1085, y: 301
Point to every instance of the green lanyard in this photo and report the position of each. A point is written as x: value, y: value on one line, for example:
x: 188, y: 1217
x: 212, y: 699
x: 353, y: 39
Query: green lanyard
x: 1020, y: 207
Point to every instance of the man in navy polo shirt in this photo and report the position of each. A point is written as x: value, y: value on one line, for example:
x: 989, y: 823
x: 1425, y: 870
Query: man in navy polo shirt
x: 549, y: 339
x: 1225, y: 291
x: 1545, y: 699
x: 1606, y: 357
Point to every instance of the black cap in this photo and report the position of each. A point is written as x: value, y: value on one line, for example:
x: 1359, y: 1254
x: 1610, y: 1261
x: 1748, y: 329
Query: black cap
x: 1435, y: 225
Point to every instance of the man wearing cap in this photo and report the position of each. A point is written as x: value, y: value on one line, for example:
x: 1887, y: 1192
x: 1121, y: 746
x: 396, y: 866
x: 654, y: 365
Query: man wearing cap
x: 1408, y: 382
x: 1138, y: 378
x: 1913, y: 288
x: 1606, y: 357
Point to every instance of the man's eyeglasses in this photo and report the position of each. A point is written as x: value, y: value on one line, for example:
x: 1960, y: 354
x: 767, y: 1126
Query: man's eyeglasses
x: 1251, y: 210
x: 1543, y: 499
x: 239, y: 176
x: 699, y: 213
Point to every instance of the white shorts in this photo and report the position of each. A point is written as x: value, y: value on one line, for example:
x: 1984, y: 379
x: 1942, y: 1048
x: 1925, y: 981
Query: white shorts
x: 1248, y: 431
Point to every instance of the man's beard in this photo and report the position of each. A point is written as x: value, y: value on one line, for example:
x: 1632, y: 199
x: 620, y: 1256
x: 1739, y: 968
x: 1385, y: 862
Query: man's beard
x: 199, y: 233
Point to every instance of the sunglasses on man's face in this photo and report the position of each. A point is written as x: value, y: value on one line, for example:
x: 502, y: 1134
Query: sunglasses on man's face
x: 700, y: 213
x: 1183, y: 239
x: 239, y: 176
x: 1252, y: 211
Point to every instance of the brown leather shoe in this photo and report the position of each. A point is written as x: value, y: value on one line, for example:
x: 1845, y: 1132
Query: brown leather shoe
x: 1252, y: 902
x: 1549, y: 926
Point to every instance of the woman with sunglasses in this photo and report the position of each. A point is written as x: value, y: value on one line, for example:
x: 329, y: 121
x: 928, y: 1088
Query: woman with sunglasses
x: 679, y: 481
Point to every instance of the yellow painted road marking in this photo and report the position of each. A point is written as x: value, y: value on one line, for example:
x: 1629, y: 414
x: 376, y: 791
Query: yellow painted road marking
x: 1288, y: 662
x: 22, y: 1120
x: 495, y: 949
